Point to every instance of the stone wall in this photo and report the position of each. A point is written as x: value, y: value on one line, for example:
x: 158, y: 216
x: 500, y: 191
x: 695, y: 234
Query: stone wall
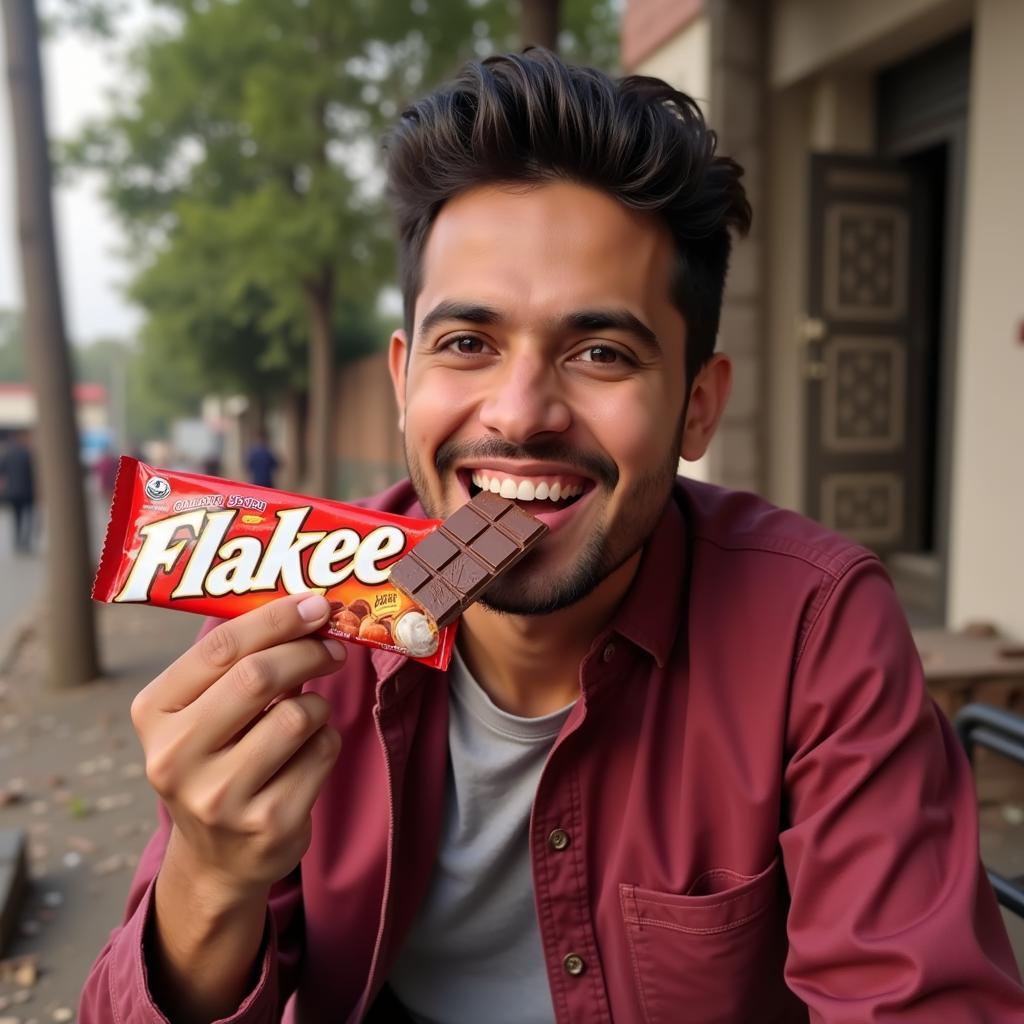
x: 738, y: 111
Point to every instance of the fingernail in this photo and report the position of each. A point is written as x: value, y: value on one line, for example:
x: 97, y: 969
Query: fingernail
x: 335, y: 648
x: 313, y: 608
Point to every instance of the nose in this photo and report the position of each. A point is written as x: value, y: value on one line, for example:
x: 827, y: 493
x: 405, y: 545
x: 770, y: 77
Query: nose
x: 525, y: 399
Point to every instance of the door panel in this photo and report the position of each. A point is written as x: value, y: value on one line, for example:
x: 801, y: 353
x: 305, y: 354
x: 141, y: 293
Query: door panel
x: 862, y: 359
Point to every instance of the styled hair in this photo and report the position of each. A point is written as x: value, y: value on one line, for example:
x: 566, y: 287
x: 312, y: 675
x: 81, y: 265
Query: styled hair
x: 532, y: 118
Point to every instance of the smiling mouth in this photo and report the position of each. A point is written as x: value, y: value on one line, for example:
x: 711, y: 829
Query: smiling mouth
x: 535, y: 493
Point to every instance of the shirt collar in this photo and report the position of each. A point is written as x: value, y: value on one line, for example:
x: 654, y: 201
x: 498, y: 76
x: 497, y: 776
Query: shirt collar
x: 653, y: 611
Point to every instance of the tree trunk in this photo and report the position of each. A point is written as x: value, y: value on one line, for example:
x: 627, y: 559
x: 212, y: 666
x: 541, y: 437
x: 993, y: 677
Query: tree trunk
x: 68, y: 626
x: 539, y: 22
x: 320, y: 464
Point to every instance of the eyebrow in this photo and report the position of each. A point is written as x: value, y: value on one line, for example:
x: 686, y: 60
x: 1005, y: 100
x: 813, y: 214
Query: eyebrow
x: 580, y: 319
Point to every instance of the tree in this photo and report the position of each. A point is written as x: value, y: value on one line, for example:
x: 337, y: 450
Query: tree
x: 248, y: 132
x: 71, y: 639
x: 539, y: 22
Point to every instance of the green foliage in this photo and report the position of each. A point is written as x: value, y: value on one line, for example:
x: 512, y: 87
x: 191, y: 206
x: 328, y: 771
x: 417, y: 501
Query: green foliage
x: 242, y: 155
x: 95, y: 18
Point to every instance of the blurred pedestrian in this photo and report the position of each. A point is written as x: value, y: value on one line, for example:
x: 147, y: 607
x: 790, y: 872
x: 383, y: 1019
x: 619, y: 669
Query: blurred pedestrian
x: 106, y: 473
x: 262, y: 462
x: 19, y: 489
x: 213, y: 465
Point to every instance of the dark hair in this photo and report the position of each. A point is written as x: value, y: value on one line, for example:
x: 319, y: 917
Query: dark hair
x: 533, y: 118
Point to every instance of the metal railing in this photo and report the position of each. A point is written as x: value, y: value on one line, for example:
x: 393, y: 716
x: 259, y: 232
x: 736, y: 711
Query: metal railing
x: 981, y: 725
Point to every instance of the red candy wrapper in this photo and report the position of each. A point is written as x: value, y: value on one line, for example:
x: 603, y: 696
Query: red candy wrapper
x: 221, y: 548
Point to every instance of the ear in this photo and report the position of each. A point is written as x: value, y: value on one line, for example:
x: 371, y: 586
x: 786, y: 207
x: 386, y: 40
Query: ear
x: 709, y: 394
x: 396, y: 365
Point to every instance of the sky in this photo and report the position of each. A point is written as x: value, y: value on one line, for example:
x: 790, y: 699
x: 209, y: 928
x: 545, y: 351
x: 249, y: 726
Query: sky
x: 78, y: 72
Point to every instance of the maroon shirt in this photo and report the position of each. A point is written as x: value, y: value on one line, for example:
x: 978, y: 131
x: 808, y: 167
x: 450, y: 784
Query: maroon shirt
x: 766, y: 817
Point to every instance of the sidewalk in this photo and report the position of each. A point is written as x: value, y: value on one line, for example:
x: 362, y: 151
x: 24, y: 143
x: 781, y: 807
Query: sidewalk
x: 71, y: 775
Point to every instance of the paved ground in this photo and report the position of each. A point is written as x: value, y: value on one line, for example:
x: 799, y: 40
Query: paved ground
x: 71, y: 774
x: 22, y: 574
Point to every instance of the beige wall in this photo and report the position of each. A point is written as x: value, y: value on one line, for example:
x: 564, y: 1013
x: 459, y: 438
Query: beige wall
x: 684, y: 61
x: 790, y: 115
x: 987, y: 557
x: 809, y: 35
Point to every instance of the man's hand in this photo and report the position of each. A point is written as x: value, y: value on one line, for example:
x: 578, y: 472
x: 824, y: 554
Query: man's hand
x: 238, y: 756
x: 239, y: 776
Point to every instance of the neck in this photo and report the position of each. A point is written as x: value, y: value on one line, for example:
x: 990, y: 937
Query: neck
x: 529, y: 664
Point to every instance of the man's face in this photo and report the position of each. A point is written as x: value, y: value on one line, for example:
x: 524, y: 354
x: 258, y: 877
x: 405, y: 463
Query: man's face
x: 548, y: 363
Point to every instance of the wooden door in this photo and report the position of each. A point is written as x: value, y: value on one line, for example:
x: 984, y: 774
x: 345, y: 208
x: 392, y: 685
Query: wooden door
x: 863, y: 353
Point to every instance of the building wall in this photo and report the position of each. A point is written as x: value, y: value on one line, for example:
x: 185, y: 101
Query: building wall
x: 809, y: 35
x: 647, y: 24
x: 368, y: 444
x: 790, y: 115
x: 737, y: 455
x: 684, y: 61
x: 987, y: 572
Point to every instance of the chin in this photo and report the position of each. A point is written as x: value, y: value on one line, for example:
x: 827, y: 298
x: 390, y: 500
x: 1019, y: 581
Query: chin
x: 529, y: 589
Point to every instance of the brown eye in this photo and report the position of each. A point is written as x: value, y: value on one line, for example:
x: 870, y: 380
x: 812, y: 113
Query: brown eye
x: 599, y: 354
x: 467, y: 345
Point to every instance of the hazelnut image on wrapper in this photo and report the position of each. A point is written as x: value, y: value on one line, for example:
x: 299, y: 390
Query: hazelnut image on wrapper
x: 346, y: 622
x: 375, y: 630
x: 416, y: 633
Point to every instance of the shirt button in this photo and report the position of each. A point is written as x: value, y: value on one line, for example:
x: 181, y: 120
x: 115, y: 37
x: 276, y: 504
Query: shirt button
x: 559, y: 839
x: 609, y: 652
x: 574, y: 965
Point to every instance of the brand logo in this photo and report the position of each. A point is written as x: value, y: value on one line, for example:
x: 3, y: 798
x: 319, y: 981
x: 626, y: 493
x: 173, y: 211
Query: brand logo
x: 157, y: 488
x: 216, y: 562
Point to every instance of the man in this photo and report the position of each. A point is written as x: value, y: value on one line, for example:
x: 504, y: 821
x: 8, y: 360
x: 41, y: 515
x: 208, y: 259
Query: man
x: 17, y: 472
x: 683, y: 768
x: 262, y: 462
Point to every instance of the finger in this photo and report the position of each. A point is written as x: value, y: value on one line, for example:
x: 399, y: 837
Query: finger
x: 261, y: 753
x: 251, y: 685
x: 215, y: 653
x: 287, y: 800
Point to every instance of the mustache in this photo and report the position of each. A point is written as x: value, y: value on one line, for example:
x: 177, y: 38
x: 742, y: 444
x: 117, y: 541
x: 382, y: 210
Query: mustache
x: 592, y: 464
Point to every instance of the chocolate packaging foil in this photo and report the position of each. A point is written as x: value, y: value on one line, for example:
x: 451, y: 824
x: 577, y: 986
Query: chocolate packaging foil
x: 220, y: 548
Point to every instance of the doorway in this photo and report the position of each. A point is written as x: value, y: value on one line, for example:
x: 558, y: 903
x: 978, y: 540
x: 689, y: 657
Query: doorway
x: 879, y: 337
x: 922, y: 106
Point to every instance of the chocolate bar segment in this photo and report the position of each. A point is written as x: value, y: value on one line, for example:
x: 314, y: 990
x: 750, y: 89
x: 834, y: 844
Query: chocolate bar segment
x: 446, y: 572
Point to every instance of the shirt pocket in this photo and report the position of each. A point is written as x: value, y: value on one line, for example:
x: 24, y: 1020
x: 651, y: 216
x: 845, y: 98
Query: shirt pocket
x: 712, y: 955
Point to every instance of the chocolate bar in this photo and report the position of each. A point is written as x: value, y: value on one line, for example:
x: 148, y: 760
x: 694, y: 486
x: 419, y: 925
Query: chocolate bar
x: 217, y: 547
x: 446, y: 571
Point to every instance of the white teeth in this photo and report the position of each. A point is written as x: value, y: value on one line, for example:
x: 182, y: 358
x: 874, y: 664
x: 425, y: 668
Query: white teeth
x: 526, y: 490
